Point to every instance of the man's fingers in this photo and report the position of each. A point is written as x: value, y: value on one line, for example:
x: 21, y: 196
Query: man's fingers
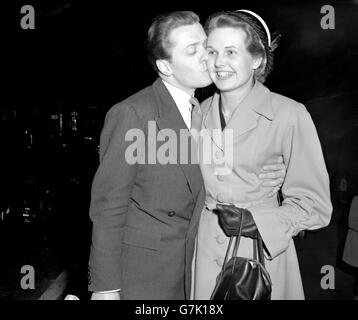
x: 274, y: 167
x: 274, y: 161
x: 272, y: 175
x: 272, y: 183
x: 280, y: 159
x: 273, y: 192
x: 71, y: 297
x: 105, y: 296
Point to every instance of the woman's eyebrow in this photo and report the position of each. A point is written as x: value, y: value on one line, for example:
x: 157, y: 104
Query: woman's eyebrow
x: 231, y: 47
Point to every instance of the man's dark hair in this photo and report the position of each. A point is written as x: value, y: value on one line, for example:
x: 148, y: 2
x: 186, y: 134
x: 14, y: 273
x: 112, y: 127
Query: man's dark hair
x: 158, y: 43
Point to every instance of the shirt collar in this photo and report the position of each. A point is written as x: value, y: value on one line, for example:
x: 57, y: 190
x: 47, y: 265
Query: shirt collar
x: 176, y: 93
x: 182, y: 101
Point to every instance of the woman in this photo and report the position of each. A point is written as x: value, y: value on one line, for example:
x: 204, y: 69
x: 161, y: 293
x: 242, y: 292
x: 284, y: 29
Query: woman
x: 264, y: 124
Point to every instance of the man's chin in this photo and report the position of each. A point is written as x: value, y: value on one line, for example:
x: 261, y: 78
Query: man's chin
x: 205, y: 83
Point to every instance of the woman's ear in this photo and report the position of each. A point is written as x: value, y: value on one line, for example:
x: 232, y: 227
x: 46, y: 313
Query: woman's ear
x: 164, y: 67
x: 257, y: 63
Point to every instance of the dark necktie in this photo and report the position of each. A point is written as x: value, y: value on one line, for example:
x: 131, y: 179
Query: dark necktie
x: 196, y: 114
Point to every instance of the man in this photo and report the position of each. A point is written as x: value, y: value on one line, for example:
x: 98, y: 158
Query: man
x: 145, y: 216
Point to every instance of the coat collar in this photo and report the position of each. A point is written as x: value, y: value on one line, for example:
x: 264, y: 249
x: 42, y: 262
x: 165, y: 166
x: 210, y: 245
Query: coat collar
x: 260, y: 101
x: 257, y: 103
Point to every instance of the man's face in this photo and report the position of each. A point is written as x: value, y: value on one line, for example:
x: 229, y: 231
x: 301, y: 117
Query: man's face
x: 188, y: 58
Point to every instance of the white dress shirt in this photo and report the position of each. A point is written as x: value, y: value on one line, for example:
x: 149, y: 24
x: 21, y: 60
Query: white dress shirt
x: 182, y: 100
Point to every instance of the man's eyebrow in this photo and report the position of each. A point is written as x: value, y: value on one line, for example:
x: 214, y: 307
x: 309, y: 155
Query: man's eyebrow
x: 227, y: 47
x: 192, y: 44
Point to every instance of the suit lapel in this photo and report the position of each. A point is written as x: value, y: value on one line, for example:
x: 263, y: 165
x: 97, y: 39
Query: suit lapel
x: 197, y: 211
x: 169, y: 117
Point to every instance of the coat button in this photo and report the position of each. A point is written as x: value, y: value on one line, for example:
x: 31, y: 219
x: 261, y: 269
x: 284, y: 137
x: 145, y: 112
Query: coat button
x: 221, y: 197
x: 171, y: 213
x: 219, y: 154
x: 220, y: 239
x: 219, y: 261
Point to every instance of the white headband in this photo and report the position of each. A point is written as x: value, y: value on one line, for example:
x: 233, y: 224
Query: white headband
x: 262, y: 22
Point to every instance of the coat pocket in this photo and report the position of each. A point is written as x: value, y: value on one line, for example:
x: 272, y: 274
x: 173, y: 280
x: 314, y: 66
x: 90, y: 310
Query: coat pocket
x: 141, y: 238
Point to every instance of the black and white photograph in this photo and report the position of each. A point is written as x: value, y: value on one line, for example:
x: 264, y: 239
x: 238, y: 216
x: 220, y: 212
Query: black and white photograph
x: 180, y: 151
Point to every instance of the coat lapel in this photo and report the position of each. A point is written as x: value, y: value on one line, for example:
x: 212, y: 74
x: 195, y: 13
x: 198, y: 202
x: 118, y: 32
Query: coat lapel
x: 255, y: 104
x: 169, y: 117
x: 212, y: 122
x: 245, y: 118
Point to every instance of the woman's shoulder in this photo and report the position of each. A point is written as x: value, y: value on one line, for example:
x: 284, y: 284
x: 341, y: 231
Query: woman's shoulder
x: 281, y: 103
x: 285, y: 107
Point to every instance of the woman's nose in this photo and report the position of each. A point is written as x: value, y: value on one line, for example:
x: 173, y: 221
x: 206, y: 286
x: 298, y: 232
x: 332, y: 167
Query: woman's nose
x: 219, y: 60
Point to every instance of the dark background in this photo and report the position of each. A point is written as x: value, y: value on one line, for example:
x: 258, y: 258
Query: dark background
x: 92, y: 54
x: 86, y: 56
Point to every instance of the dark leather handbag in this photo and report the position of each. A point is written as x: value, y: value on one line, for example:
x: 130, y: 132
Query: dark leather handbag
x: 243, y: 278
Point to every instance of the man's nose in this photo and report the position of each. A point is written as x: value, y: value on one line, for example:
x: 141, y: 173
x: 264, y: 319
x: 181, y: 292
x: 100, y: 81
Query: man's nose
x: 204, y: 56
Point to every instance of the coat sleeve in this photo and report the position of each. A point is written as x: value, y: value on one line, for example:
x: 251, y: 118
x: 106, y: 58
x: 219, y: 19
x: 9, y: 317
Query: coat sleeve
x: 353, y: 215
x: 110, y: 194
x: 306, y: 204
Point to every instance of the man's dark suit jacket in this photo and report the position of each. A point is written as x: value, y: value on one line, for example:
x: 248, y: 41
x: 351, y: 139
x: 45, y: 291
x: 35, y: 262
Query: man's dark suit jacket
x: 144, y: 216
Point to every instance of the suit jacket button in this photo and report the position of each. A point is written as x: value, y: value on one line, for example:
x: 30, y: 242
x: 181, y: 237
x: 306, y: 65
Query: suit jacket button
x: 89, y: 277
x: 171, y: 213
x: 220, y: 177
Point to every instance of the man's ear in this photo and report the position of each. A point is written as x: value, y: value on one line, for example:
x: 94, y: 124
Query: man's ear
x: 164, y: 67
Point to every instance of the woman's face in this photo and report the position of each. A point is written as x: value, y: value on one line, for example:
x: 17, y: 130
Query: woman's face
x: 230, y: 65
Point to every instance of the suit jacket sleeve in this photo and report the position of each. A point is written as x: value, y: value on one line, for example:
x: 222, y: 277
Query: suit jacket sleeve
x: 307, y: 204
x: 110, y: 195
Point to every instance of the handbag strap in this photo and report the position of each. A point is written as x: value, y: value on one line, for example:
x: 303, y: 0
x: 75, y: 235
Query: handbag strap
x: 258, y: 252
x: 236, y: 246
x: 260, y: 249
x: 238, y: 237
